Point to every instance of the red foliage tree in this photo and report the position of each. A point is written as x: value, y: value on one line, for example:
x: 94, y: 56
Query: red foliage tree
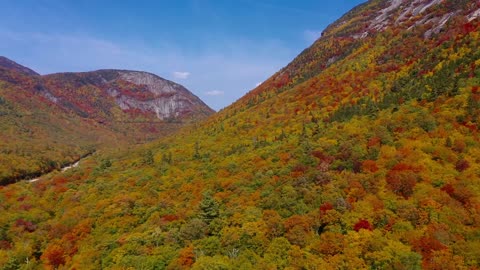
x: 169, y: 218
x: 363, y: 224
x: 186, y: 258
x: 5, y: 244
x: 425, y: 246
x: 374, y: 141
x: 54, y: 256
x: 401, y: 179
x: 27, y: 225
x: 325, y: 207
x: 449, y: 189
x: 462, y: 165
x: 459, y: 145
x: 369, y: 166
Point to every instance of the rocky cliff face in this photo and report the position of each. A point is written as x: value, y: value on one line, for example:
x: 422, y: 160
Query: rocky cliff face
x: 433, y: 15
x: 131, y: 91
x: 169, y: 99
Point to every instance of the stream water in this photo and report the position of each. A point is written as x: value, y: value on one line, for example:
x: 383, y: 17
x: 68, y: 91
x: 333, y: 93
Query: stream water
x: 63, y: 169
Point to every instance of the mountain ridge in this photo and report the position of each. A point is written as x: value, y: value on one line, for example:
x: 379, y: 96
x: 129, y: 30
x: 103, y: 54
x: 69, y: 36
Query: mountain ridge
x: 169, y: 99
x: 158, y: 86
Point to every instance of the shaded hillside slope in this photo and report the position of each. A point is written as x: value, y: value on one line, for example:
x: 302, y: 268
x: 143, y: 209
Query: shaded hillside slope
x: 367, y: 161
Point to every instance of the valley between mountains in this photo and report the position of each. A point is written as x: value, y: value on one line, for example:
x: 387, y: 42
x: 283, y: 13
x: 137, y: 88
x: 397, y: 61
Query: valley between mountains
x: 53, y: 120
x: 361, y: 153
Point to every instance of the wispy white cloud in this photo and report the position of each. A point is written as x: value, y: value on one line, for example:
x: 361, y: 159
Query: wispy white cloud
x: 214, y: 93
x: 311, y: 35
x: 182, y: 75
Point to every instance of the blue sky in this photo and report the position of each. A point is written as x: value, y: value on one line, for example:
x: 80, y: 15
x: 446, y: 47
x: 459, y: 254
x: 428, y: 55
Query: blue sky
x: 218, y: 49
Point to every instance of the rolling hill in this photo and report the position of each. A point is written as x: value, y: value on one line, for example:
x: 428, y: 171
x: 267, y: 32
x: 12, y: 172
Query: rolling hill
x: 362, y: 153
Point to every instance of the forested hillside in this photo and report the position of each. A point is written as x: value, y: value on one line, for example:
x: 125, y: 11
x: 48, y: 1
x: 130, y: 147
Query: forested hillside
x: 52, y: 120
x: 363, y: 153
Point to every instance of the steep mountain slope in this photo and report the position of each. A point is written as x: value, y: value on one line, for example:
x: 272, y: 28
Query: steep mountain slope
x: 363, y: 153
x: 51, y: 120
x: 8, y: 64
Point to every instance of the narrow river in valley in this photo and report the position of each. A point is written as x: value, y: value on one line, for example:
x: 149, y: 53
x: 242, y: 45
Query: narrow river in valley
x: 63, y: 169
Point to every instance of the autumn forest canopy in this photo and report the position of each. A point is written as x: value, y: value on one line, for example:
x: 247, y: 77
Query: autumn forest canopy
x: 362, y: 153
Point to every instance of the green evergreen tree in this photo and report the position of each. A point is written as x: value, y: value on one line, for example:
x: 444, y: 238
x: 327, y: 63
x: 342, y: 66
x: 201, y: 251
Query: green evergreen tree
x: 196, y: 154
x: 209, y: 207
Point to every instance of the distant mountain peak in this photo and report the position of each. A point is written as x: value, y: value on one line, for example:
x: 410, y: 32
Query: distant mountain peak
x: 12, y: 65
x: 135, y: 91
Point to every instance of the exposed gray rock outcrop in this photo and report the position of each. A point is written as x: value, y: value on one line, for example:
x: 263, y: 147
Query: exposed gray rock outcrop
x: 154, y: 95
x: 171, y: 100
